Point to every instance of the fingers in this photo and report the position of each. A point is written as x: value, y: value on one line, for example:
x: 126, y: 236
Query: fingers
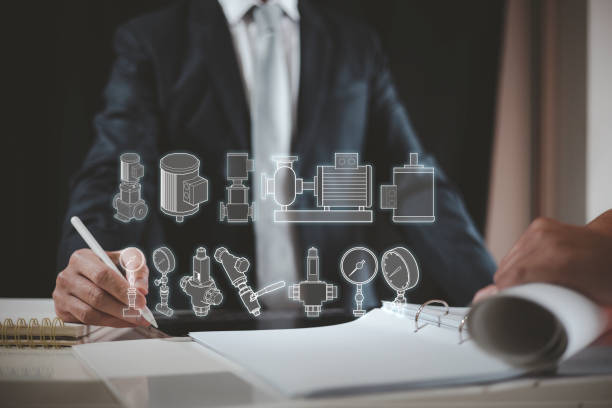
x: 88, y: 315
x: 485, y: 293
x: 90, y: 292
x: 72, y: 310
x: 99, y: 299
x: 92, y: 267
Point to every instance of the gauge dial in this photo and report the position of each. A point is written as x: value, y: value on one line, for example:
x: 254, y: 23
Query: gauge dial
x: 359, y: 265
x: 400, y: 269
x: 131, y: 259
x: 163, y: 260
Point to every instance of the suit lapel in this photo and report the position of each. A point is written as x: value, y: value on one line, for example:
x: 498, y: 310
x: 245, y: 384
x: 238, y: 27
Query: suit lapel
x: 315, y: 53
x: 222, y: 63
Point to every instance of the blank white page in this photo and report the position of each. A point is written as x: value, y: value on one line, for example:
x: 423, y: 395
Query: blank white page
x: 379, y: 351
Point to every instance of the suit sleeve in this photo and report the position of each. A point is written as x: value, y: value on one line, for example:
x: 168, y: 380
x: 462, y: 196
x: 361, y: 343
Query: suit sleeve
x: 128, y: 123
x: 450, y: 251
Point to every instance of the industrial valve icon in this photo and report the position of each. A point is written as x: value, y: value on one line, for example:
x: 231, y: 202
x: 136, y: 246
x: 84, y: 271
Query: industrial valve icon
x: 313, y: 292
x: 200, y: 286
x: 236, y: 268
x: 237, y: 208
x: 128, y: 202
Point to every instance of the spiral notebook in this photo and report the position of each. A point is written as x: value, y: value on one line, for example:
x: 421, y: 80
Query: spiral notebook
x: 417, y: 346
x: 33, y: 323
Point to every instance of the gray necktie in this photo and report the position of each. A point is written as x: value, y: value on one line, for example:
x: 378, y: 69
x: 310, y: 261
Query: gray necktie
x: 272, y: 127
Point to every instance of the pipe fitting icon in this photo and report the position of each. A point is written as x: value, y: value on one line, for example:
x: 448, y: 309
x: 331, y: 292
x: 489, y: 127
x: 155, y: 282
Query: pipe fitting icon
x: 313, y: 292
x: 236, y: 268
x: 200, y: 286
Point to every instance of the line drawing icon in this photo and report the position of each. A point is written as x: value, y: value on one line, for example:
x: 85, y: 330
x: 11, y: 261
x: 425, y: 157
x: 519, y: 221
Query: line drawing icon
x: 401, y: 271
x: 411, y: 196
x: 236, y: 268
x: 131, y: 260
x: 313, y: 292
x: 182, y: 189
x: 200, y: 286
x: 164, y: 262
x: 343, y: 191
x: 237, y: 208
x: 128, y: 201
x: 359, y: 266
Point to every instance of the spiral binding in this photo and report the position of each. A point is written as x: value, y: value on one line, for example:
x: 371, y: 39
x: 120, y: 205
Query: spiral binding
x: 37, y: 334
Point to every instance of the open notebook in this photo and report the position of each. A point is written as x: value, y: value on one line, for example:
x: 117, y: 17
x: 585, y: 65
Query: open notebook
x: 32, y: 322
x: 382, y: 350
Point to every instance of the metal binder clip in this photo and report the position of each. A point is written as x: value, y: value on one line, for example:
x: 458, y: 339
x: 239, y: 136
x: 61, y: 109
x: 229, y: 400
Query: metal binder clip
x: 418, y: 313
x: 461, y: 327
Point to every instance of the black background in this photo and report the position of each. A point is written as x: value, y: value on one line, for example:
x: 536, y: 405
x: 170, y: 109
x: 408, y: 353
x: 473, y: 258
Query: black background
x: 444, y: 56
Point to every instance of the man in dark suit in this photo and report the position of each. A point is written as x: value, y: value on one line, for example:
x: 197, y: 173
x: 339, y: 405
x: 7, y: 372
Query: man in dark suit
x: 182, y: 82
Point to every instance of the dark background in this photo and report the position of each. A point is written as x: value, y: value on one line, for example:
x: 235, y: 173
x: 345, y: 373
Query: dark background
x: 444, y: 56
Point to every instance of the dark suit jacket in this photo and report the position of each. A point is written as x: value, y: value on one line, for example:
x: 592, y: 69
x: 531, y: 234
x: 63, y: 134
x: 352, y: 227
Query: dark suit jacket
x: 176, y: 86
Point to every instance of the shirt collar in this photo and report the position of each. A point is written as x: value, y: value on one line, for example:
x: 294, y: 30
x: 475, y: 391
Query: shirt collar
x: 235, y: 10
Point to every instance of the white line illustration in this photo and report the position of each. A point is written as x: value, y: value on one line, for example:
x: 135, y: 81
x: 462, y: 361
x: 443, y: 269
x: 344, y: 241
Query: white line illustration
x: 313, y: 292
x: 359, y: 266
x: 128, y: 201
x: 343, y: 191
x: 237, y: 208
x: 200, y: 286
x: 131, y: 260
x: 411, y: 196
x: 401, y: 271
x: 236, y: 268
x: 164, y: 262
x: 182, y: 189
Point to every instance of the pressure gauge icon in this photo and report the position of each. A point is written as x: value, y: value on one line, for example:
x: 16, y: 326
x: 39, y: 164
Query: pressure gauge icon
x: 401, y: 271
x: 164, y: 262
x: 359, y: 266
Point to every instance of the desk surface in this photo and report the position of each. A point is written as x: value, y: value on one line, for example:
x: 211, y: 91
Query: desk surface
x: 584, y: 380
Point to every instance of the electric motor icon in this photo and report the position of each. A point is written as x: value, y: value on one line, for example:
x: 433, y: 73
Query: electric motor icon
x: 411, y: 196
x: 313, y: 292
x: 182, y: 189
x: 128, y: 202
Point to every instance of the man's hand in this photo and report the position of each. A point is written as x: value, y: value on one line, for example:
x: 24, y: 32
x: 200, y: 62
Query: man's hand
x: 89, y: 292
x: 576, y: 257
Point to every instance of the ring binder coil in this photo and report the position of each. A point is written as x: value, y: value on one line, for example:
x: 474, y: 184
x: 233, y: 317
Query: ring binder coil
x: 442, y: 316
x: 418, y: 313
x: 461, y: 327
x: 30, y: 334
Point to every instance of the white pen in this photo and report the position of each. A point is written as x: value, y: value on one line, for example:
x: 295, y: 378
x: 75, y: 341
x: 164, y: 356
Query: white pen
x: 97, y: 249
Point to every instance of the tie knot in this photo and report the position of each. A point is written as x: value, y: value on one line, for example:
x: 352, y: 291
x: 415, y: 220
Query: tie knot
x: 267, y: 17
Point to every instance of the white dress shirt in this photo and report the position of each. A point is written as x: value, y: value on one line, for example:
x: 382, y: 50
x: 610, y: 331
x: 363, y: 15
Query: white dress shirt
x: 242, y: 28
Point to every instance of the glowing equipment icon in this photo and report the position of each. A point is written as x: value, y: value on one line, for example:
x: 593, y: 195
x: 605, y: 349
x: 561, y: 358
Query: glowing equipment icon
x: 401, y: 271
x: 359, y: 266
x: 182, y: 189
x: 164, y: 262
x: 200, y: 286
x: 236, y: 268
x: 343, y: 191
x: 313, y: 292
x: 411, y: 196
x: 237, y: 208
x: 131, y: 260
x: 128, y: 202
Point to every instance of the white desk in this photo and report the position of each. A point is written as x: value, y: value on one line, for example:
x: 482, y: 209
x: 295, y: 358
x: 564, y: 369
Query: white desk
x: 570, y: 388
